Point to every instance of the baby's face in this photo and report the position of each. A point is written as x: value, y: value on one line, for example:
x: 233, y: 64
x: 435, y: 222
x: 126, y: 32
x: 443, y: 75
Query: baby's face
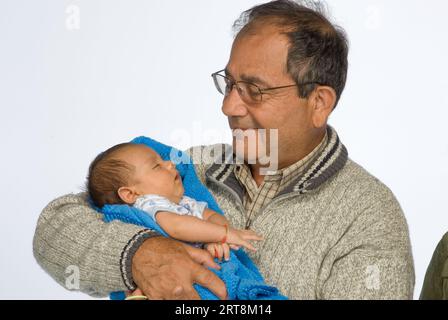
x: 152, y: 174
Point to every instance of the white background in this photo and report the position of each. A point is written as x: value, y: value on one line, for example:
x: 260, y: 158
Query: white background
x: 143, y: 68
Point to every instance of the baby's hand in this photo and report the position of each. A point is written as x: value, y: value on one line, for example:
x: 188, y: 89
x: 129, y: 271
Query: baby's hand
x: 239, y: 237
x: 218, y: 250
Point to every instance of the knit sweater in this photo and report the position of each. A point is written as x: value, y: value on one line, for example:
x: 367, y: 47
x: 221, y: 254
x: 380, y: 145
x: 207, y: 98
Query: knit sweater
x: 336, y: 232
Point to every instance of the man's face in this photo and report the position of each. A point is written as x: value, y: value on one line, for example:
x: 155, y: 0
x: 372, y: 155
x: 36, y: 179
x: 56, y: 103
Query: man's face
x: 260, y: 57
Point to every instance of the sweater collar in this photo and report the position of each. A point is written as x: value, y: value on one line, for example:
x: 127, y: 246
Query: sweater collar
x: 331, y: 159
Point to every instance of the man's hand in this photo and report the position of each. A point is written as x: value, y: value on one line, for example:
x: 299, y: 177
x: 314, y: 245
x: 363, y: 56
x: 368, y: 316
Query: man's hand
x: 167, y: 269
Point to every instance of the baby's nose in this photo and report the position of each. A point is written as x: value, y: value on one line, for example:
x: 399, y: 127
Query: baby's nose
x: 170, y: 165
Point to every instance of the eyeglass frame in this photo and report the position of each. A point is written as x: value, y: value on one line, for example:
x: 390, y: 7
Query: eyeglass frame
x: 261, y: 91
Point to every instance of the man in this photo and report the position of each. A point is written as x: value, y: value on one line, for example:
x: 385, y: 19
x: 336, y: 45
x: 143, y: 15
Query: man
x: 332, y: 231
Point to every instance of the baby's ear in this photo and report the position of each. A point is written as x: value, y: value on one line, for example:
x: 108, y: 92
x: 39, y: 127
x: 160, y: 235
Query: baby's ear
x: 128, y: 195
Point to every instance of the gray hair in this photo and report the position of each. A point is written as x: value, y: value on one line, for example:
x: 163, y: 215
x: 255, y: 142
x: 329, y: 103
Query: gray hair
x: 318, y: 52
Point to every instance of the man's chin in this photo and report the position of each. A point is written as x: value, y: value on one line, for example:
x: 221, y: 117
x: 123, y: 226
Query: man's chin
x: 242, y: 154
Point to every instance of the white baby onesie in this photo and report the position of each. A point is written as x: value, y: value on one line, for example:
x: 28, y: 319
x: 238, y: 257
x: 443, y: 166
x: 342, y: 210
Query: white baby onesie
x: 187, y: 206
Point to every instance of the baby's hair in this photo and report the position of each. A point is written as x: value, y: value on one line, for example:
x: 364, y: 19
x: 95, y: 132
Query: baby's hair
x: 107, y: 174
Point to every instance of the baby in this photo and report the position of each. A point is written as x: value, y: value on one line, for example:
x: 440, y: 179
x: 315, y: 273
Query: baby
x: 135, y: 174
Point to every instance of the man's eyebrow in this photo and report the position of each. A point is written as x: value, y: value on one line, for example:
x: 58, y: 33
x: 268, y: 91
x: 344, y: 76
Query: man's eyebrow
x: 247, y: 78
x: 254, y: 80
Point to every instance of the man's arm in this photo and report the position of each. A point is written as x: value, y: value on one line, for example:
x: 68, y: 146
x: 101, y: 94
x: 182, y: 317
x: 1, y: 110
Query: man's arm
x: 373, y: 258
x: 71, y: 236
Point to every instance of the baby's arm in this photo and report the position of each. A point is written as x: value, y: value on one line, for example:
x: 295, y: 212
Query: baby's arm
x: 214, y: 228
x: 214, y: 217
x: 191, y: 229
x: 234, y: 239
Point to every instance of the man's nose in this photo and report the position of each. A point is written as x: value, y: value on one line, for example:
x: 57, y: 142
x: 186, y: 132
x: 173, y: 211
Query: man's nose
x: 233, y: 105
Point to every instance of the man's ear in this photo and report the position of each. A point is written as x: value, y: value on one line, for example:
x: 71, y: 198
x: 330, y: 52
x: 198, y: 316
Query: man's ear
x: 323, y: 100
x: 128, y: 195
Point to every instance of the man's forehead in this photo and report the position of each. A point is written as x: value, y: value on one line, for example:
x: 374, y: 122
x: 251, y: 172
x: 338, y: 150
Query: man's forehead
x: 258, y: 57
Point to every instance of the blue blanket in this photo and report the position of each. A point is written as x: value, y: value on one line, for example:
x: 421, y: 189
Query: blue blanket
x: 240, y: 275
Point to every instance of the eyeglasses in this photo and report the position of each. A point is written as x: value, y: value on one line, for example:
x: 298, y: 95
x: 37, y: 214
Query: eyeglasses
x: 249, y: 92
